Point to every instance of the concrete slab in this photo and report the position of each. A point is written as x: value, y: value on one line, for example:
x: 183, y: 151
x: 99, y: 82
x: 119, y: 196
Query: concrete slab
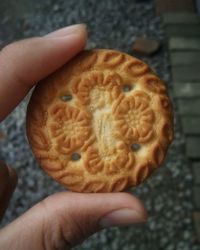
x: 182, y: 43
x: 193, y: 151
x: 186, y: 89
x: 163, y: 6
x: 180, y: 18
x: 191, y: 125
x: 186, y: 73
x: 179, y: 58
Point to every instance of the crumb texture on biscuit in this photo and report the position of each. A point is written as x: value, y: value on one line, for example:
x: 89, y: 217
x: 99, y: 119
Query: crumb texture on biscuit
x: 106, y: 124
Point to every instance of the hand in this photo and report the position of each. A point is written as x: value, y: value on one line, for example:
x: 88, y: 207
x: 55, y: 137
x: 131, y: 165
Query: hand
x: 64, y: 219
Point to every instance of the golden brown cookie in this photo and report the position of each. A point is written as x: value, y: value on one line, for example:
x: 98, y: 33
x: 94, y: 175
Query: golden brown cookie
x: 101, y: 123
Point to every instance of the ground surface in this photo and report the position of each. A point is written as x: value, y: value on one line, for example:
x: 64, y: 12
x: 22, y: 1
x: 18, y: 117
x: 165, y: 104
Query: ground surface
x: 167, y: 194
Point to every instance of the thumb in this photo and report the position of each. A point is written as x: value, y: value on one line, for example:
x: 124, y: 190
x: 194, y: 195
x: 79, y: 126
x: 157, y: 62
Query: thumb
x: 66, y: 219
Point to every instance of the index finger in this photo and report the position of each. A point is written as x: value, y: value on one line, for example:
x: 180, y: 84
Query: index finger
x: 24, y: 63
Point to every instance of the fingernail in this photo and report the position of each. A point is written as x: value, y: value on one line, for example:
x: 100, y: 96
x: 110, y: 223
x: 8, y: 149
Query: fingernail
x: 122, y: 217
x: 73, y: 29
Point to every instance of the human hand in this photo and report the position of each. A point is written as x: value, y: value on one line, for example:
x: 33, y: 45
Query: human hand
x: 64, y: 219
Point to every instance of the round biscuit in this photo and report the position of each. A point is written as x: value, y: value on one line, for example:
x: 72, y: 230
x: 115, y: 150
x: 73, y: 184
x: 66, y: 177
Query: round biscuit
x: 101, y: 123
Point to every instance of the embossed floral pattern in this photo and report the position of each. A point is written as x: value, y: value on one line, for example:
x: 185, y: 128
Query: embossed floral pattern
x: 70, y: 127
x: 135, y: 118
x: 93, y: 86
x: 109, y: 163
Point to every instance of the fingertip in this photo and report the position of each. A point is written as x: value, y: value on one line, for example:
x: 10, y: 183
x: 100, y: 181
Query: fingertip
x: 95, y: 203
x: 75, y: 35
x: 125, y: 210
x: 72, y: 29
x: 131, y: 201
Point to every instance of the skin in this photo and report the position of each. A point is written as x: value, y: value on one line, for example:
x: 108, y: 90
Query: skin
x: 64, y: 219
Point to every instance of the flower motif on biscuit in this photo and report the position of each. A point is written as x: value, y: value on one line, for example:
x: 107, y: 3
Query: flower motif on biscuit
x: 93, y: 88
x: 135, y: 118
x: 70, y: 127
x: 111, y: 162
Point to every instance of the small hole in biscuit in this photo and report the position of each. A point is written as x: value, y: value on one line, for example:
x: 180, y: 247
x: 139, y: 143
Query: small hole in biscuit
x: 75, y: 157
x: 127, y: 88
x: 66, y: 98
x: 135, y: 146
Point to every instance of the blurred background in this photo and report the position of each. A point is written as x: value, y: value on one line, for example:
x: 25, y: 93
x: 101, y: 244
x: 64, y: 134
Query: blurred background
x: 166, y: 35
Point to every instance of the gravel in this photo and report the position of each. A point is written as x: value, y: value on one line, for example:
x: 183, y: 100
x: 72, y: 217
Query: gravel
x: 167, y: 193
